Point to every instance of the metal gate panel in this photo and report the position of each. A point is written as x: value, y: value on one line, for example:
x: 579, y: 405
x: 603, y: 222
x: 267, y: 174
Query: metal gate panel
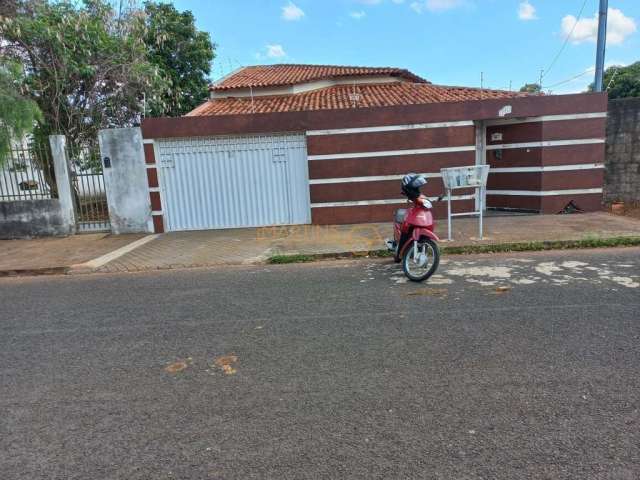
x: 234, y: 181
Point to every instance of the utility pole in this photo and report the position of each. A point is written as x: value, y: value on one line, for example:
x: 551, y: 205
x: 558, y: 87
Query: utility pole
x: 602, y: 41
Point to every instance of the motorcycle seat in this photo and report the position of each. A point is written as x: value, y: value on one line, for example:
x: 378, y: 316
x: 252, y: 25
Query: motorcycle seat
x: 400, y: 215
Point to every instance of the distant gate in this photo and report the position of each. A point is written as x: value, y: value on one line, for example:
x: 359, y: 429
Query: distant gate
x: 92, y: 213
x: 26, y: 173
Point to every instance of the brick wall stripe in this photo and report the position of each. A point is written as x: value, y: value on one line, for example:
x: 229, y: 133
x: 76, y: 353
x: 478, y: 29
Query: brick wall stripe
x: 390, y: 201
x: 149, y: 155
x: 395, y: 165
x: 375, y: 178
x: 321, y: 181
x: 158, y: 223
x: 548, y: 168
x: 387, y: 189
x: 552, y: 143
x: 390, y: 128
x: 377, y: 213
x: 549, y: 118
x: 548, y: 193
x: 384, y: 141
x: 152, y: 177
x: 390, y: 153
x: 148, y: 141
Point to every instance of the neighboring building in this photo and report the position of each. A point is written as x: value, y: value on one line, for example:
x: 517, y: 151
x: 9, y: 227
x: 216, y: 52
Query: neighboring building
x: 295, y: 144
x: 294, y: 88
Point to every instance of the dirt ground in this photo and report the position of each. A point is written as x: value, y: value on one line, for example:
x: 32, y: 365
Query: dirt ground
x: 632, y: 210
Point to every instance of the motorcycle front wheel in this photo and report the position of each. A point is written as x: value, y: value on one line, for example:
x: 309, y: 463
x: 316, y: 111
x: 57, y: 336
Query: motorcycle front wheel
x: 420, y: 263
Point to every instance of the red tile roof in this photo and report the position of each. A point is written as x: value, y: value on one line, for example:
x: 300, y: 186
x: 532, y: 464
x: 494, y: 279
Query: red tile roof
x: 341, y: 97
x: 283, y: 74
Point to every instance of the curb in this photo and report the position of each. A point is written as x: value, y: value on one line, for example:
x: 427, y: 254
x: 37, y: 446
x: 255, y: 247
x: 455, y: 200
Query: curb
x: 612, y: 242
x: 471, y: 249
x: 34, y: 272
x: 80, y: 268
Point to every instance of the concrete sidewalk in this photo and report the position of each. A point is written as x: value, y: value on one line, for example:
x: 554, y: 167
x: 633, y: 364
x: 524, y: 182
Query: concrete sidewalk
x: 42, y: 256
x: 131, y: 253
x: 255, y: 245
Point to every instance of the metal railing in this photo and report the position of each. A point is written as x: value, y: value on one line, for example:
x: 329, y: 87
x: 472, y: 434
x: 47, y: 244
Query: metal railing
x: 25, y: 173
x: 88, y: 187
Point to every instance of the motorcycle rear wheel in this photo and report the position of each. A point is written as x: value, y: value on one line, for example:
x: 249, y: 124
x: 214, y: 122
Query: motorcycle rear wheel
x: 412, y: 269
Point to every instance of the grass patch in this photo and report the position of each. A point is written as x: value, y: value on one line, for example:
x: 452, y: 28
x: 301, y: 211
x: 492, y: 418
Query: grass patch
x: 299, y: 258
x: 546, y: 245
x: 590, y: 242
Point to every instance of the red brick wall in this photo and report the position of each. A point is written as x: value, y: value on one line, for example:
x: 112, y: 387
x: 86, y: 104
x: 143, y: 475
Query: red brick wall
x: 336, y: 183
x: 535, y: 160
x: 154, y: 188
x: 338, y: 159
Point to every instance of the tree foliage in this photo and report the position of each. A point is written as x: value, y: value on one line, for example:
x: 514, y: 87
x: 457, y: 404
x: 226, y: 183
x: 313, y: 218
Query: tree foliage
x: 183, y: 56
x: 18, y: 115
x: 622, y: 82
x: 531, y: 88
x: 86, y: 64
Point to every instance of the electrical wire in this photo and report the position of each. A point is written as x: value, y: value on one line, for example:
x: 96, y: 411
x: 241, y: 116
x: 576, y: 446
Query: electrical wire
x: 615, y: 72
x: 568, y: 79
x: 566, y: 41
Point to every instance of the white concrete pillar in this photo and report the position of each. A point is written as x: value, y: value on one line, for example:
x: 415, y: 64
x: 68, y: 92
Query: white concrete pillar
x: 125, y: 180
x: 62, y: 170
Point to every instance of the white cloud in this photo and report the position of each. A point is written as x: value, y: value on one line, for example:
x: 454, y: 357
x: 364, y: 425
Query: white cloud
x: 275, y: 51
x: 292, y: 12
x: 397, y: 1
x: 526, y: 11
x: 435, y: 5
x: 358, y: 15
x: 619, y: 27
x: 417, y: 7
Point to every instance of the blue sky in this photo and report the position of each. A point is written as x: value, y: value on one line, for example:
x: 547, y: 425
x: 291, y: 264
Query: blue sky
x: 446, y: 41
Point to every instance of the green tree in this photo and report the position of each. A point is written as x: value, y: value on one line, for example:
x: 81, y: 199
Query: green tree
x: 622, y: 82
x: 531, y: 88
x: 86, y: 64
x: 183, y: 56
x: 18, y: 115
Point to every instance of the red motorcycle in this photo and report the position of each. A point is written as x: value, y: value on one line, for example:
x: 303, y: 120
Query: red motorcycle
x: 414, y: 242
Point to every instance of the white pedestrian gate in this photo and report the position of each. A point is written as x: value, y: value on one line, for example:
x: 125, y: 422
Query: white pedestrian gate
x: 234, y: 181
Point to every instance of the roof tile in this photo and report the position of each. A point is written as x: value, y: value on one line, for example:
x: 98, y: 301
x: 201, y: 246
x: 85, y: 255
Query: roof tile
x: 284, y: 74
x: 342, y: 97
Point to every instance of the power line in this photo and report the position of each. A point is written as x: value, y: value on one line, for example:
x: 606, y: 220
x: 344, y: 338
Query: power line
x: 615, y: 72
x: 569, y: 79
x: 566, y: 41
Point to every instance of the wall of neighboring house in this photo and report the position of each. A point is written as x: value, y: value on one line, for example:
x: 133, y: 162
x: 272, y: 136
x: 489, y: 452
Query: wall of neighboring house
x: 32, y: 218
x: 622, y: 178
x: 551, y: 152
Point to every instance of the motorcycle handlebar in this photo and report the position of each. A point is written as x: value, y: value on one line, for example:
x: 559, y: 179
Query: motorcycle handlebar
x: 439, y: 199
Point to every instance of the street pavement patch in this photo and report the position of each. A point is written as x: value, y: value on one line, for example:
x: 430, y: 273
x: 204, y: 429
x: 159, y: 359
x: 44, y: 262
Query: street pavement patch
x: 502, y: 274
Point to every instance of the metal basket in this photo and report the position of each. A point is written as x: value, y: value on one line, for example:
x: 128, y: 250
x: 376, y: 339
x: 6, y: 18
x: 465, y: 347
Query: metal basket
x: 465, y: 177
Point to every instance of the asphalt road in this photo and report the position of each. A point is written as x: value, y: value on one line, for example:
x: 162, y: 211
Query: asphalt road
x: 503, y: 367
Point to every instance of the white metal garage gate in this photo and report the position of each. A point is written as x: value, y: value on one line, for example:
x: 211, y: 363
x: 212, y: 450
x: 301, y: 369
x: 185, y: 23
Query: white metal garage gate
x: 234, y: 181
